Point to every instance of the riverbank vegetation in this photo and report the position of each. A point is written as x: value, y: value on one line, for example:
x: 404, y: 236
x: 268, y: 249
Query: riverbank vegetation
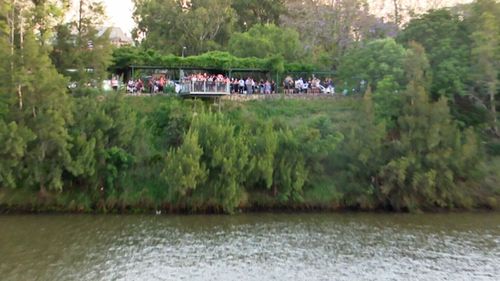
x: 423, y: 134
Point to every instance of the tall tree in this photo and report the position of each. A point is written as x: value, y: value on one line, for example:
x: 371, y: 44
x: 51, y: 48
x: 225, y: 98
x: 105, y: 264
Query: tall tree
x: 374, y: 62
x: 431, y: 158
x: 47, y: 111
x: 328, y: 29
x: 170, y: 25
x: 445, y: 39
x: 41, y: 108
x: 183, y: 169
x: 360, y: 155
x: 251, y: 12
x: 265, y: 41
x: 80, y: 45
x: 226, y: 158
x: 46, y: 14
x: 14, y: 139
x: 486, y: 55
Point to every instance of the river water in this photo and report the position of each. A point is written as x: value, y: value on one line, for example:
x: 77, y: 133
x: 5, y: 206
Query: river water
x: 251, y: 247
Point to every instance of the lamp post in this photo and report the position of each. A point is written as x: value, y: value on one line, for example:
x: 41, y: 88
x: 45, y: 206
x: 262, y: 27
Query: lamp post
x: 181, y: 71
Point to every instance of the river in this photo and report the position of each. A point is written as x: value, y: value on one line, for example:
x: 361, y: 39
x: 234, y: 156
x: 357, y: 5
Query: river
x: 350, y: 246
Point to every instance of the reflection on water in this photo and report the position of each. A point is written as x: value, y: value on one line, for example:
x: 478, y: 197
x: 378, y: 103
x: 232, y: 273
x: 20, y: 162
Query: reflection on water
x: 251, y: 247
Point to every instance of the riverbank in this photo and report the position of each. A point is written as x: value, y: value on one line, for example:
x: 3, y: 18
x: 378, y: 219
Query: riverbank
x: 142, y: 154
x: 20, y: 202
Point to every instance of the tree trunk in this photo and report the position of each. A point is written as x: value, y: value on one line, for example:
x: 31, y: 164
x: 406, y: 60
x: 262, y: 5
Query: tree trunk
x: 396, y: 12
x: 493, y: 110
x: 80, y: 11
x: 21, y: 47
x: 12, y: 32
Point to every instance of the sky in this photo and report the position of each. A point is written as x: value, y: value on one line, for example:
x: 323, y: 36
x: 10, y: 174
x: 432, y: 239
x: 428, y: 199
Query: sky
x: 119, y: 14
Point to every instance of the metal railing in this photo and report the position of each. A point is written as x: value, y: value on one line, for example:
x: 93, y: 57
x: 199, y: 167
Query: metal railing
x: 188, y: 86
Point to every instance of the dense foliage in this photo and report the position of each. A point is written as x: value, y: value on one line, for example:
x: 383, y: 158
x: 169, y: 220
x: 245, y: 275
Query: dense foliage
x: 421, y: 132
x: 220, y: 61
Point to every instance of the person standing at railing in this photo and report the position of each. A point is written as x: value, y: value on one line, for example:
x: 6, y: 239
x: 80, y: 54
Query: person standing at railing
x: 249, y: 86
x: 241, y: 86
x: 227, y: 85
x: 235, y: 86
x: 267, y: 88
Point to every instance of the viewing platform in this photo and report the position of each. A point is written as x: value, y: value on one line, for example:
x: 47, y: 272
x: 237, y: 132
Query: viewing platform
x: 204, y: 89
x: 222, y: 91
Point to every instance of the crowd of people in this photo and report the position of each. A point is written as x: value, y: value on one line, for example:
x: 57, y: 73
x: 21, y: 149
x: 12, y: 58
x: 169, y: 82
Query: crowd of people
x: 311, y: 86
x: 154, y: 85
x: 203, y: 82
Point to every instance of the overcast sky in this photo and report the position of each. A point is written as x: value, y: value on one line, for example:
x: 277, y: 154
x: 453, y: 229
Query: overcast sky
x: 120, y: 14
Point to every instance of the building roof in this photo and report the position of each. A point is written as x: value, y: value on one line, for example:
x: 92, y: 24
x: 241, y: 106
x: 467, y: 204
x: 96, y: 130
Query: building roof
x: 116, y: 34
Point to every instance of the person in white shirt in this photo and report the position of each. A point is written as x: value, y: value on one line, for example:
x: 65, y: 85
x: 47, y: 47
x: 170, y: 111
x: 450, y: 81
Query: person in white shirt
x: 241, y: 86
x: 249, y: 83
x: 305, y: 86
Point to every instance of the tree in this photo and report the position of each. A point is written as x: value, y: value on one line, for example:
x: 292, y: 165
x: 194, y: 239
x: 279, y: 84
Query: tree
x: 445, y: 40
x: 263, y: 146
x: 486, y: 55
x: 183, y: 169
x: 14, y: 139
x: 170, y: 25
x: 378, y: 60
x: 104, y: 143
x: 358, y: 158
x: 80, y: 46
x: 431, y: 157
x: 226, y: 158
x: 37, y: 103
x: 267, y: 40
x: 328, y: 29
x: 388, y: 97
x: 46, y: 111
x: 45, y: 15
x: 290, y: 172
x: 6, y: 61
x: 252, y: 12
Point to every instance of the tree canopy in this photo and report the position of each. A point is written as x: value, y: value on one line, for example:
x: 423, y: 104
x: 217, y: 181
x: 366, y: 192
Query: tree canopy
x: 263, y: 41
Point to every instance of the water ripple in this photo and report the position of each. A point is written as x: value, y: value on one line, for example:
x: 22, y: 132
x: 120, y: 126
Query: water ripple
x: 251, y: 247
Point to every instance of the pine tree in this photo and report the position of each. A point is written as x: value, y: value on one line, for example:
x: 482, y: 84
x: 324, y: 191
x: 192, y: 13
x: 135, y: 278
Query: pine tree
x: 425, y: 170
x: 263, y: 146
x: 37, y: 103
x: 46, y: 111
x: 14, y: 140
x: 360, y: 155
x: 226, y: 158
x: 290, y: 172
x: 104, y: 140
x: 183, y: 169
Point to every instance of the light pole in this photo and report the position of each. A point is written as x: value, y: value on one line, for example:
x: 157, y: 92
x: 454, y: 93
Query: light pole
x: 181, y: 71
